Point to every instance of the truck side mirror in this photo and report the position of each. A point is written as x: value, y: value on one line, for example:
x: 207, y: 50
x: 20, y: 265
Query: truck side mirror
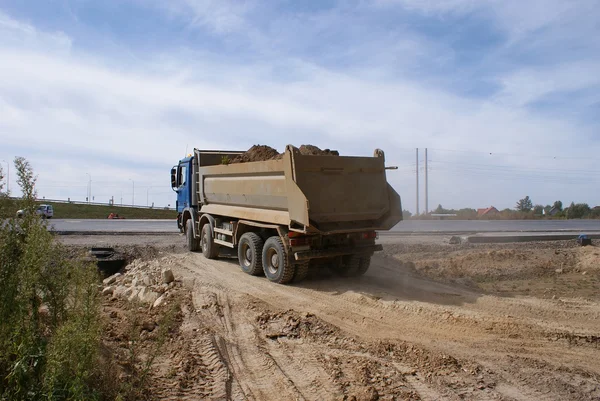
x: 174, y: 177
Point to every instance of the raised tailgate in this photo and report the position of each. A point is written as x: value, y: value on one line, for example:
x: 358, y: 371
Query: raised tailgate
x: 342, y: 189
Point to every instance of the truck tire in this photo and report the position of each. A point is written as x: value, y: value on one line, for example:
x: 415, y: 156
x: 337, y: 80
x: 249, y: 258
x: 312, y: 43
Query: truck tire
x: 354, y: 265
x: 210, y: 250
x: 348, y: 266
x: 363, y: 266
x: 250, y: 254
x: 301, y: 271
x: 193, y: 243
x: 276, y: 265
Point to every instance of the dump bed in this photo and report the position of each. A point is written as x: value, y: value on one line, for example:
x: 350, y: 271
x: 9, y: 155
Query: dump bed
x: 324, y: 194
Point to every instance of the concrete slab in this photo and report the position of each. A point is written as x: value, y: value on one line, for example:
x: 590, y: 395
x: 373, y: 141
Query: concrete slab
x: 497, y: 238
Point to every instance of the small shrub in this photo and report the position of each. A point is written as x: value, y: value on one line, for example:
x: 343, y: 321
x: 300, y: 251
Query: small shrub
x: 49, y: 310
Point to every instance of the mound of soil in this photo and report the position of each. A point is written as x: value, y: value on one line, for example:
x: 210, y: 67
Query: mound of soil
x: 258, y: 153
x: 312, y: 150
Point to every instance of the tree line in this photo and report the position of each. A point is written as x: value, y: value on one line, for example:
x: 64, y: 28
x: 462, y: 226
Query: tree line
x: 524, y: 209
x: 573, y: 211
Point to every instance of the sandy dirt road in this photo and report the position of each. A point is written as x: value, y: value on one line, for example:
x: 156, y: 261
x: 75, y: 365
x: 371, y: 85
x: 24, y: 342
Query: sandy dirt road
x: 429, y: 321
x: 393, y: 334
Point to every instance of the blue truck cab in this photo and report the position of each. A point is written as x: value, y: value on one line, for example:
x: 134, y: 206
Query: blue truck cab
x: 182, y: 184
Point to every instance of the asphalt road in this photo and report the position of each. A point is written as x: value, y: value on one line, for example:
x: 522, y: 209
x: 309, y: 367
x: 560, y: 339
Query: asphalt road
x: 410, y: 226
x: 116, y: 226
x: 491, y: 226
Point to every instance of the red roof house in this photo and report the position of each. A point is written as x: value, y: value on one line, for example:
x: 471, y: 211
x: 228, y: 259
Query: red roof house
x: 490, y: 211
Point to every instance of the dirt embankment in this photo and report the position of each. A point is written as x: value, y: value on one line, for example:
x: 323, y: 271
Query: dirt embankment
x: 425, y: 323
x: 259, y: 153
x: 543, y: 269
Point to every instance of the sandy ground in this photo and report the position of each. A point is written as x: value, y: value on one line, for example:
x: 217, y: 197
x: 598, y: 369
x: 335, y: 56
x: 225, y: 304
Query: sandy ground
x: 429, y: 321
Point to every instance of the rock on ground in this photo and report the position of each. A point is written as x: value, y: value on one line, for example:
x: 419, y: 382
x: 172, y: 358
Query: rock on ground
x: 455, y: 240
x: 167, y: 276
x: 110, y: 280
x: 148, y: 296
x: 160, y: 301
x: 134, y: 295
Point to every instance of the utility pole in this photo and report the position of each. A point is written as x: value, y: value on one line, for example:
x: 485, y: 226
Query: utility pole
x: 417, y: 181
x: 89, y: 195
x: 132, y: 192
x: 426, y: 185
x: 7, y: 176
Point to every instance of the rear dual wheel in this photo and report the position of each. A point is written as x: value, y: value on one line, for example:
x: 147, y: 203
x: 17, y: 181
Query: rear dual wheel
x: 353, y: 265
x: 270, y: 257
x: 276, y: 263
x: 301, y: 271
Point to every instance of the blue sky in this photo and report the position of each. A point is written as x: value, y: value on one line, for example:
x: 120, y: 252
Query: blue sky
x: 505, y: 94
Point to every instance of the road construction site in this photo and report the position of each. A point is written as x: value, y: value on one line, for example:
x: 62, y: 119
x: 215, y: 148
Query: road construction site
x: 430, y: 320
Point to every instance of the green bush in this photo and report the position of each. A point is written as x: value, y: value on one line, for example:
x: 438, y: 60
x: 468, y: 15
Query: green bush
x: 6, y: 203
x: 578, y: 210
x: 49, y: 310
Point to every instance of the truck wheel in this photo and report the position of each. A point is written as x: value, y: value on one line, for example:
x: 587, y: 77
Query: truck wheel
x: 301, y: 271
x: 353, y: 265
x: 210, y: 250
x: 363, y: 266
x: 250, y: 254
x: 193, y: 243
x: 348, y: 266
x: 275, y: 262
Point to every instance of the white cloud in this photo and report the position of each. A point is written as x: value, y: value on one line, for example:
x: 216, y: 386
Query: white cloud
x: 435, y: 6
x: 135, y: 121
x: 220, y: 16
x: 80, y: 109
x: 518, y: 18
x: 20, y: 34
x: 527, y: 86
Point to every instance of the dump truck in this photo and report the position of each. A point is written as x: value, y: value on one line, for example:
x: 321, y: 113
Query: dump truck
x: 280, y: 217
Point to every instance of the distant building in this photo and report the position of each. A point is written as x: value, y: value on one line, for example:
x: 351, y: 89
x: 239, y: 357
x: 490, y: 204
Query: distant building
x: 490, y: 211
x: 553, y: 212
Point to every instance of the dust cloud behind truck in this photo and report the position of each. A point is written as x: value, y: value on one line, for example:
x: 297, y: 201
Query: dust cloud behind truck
x: 280, y: 217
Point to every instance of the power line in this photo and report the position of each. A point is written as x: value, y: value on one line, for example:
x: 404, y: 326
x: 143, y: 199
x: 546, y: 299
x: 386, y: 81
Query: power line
x: 527, y: 155
x: 495, y: 167
x: 523, y: 176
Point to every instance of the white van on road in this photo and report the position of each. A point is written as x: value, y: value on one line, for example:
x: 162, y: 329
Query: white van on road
x: 46, y: 211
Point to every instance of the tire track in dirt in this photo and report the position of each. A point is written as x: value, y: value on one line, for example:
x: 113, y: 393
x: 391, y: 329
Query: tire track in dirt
x: 299, y: 365
x: 310, y: 380
x: 256, y: 372
x: 203, y: 369
x: 452, y: 321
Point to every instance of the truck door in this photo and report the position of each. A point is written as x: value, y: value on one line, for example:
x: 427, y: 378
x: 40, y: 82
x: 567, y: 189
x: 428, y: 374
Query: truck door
x: 183, y: 186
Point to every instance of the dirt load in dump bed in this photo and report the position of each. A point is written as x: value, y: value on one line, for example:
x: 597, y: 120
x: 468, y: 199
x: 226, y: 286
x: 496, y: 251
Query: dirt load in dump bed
x: 259, y: 153
x: 312, y: 150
